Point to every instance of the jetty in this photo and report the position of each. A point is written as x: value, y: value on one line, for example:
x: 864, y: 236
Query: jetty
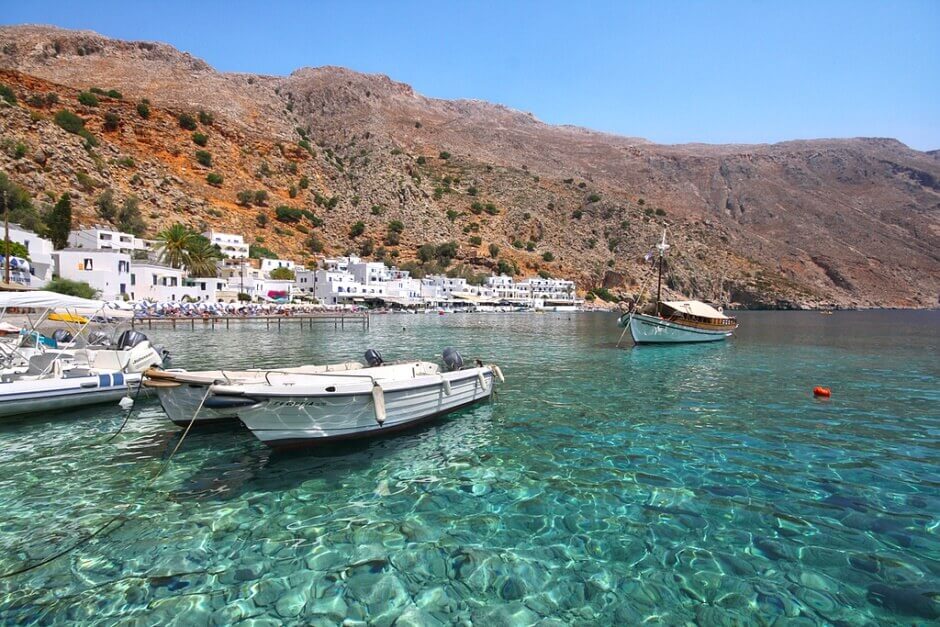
x: 339, y: 320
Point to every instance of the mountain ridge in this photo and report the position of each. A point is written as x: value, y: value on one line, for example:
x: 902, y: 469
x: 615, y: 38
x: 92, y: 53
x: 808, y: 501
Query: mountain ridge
x: 853, y: 221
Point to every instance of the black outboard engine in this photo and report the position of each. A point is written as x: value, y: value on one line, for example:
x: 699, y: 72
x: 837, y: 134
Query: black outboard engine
x: 61, y: 336
x: 99, y: 338
x: 452, y: 359
x: 374, y: 358
x: 130, y: 339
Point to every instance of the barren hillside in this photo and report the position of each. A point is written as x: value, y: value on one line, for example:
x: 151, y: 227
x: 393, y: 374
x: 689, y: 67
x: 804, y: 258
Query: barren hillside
x: 853, y: 222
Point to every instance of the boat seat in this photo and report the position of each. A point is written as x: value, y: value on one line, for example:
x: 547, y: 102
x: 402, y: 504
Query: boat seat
x: 42, y: 363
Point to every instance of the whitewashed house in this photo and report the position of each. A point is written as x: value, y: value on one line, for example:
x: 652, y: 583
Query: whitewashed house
x: 232, y: 246
x: 41, y: 263
x: 107, y: 271
x: 101, y: 238
x: 267, y: 265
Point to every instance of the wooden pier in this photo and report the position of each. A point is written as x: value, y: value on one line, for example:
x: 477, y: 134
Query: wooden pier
x: 338, y: 320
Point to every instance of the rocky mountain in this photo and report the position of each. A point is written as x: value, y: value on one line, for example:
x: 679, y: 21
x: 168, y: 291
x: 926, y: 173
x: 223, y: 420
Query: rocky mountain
x: 853, y: 222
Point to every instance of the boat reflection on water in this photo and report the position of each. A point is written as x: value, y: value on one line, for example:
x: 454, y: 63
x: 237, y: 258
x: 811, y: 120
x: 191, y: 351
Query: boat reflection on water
x: 230, y: 471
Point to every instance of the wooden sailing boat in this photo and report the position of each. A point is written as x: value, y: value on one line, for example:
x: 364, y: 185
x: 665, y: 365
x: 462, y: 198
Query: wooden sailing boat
x: 677, y: 321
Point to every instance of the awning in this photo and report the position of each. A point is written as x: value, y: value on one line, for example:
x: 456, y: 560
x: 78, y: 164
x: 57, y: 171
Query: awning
x: 695, y: 308
x: 46, y: 300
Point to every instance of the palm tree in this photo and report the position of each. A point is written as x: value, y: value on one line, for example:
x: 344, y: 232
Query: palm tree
x: 201, y: 256
x: 174, y: 245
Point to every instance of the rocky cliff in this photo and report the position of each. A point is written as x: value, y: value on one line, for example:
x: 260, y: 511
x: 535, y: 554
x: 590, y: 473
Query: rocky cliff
x: 854, y: 222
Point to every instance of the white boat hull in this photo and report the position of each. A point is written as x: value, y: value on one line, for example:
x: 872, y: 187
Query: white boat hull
x: 282, y: 419
x: 655, y: 330
x: 181, y: 402
x: 55, y: 393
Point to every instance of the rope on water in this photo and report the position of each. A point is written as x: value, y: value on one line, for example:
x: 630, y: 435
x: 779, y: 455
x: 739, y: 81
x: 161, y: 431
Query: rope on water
x: 130, y: 410
x: 116, y: 517
x: 636, y: 306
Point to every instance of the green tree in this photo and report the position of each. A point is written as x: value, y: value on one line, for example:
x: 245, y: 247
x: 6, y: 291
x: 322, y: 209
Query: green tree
x: 357, y: 229
x: 59, y: 222
x: 187, y: 122
x: 16, y: 200
x: 107, y: 207
x: 494, y: 251
x: 88, y: 99
x: 71, y: 288
x: 205, y: 118
x: 7, y: 95
x: 245, y: 197
x: 14, y: 249
x: 112, y: 121
x: 261, y: 197
x: 173, y: 243
x: 548, y: 256
x: 444, y: 155
x: 282, y: 274
x: 262, y: 220
x: 214, y: 178
x: 201, y: 257
x: 204, y: 158
x: 143, y: 109
x: 129, y: 218
x: 200, y: 139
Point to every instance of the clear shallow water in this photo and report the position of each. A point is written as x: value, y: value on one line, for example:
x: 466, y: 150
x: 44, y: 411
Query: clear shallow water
x: 684, y: 484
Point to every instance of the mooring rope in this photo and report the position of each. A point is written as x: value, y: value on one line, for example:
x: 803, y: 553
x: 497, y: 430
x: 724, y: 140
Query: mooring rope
x: 120, y: 516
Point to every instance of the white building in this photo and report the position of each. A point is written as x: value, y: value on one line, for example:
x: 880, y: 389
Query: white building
x: 107, y: 271
x: 231, y: 245
x: 267, y: 265
x: 100, y: 238
x: 41, y: 263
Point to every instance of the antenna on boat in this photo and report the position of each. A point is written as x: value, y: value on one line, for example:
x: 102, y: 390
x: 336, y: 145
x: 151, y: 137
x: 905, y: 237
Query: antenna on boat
x: 662, y: 247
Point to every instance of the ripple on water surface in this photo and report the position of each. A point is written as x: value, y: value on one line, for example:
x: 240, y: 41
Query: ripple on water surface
x: 684, y: 484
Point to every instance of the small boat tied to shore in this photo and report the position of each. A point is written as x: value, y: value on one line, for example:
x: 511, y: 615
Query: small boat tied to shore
x: 678, y: 321
x: 74, y: 366
x: 314, y: 404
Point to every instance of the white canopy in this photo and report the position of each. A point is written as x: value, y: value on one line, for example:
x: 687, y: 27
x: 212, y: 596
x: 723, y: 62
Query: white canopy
x: 695, y: 308
x: 46, y: 300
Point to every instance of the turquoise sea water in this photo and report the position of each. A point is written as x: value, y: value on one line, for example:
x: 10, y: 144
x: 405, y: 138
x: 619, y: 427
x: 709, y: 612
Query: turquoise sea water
x: 677, y: 485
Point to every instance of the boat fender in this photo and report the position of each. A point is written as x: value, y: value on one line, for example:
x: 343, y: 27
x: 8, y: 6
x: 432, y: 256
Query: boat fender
x: 482, y: 380
x: 499, y: 373
x: 822, y: 392
x: 378, y: 400
x: 447, y: 389
x: 126, y: 403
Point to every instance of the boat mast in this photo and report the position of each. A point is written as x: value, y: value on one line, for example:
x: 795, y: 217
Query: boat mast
x: 662, y: 247
x: 6, y: 239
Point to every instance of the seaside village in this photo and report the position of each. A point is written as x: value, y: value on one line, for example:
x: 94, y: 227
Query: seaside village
x: 125, y: 268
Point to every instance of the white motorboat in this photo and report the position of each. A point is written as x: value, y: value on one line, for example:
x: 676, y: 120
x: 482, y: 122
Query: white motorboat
x: 38, y: 373
x: 181, y: 391
x: 302, y: 409
x: 680, y: 321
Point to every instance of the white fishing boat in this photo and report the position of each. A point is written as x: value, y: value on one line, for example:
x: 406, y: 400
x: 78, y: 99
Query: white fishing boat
x: 678, y: 321
x: 40, y: 373
x: 181, y: 392
x: 302, y: 409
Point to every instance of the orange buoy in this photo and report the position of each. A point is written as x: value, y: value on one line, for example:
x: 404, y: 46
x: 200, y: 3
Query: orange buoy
x: 821, y: 391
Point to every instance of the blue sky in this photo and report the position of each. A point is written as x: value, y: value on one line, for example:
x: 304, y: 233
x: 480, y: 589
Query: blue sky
x: 672, y: 72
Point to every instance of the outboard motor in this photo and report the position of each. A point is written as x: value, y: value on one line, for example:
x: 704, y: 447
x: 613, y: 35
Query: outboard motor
x: 61, y: 336
x: 374, y: 358
x: 99, y: 338
x: 452, y: 359
x: 130, y: 339
x: 163, y: 353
